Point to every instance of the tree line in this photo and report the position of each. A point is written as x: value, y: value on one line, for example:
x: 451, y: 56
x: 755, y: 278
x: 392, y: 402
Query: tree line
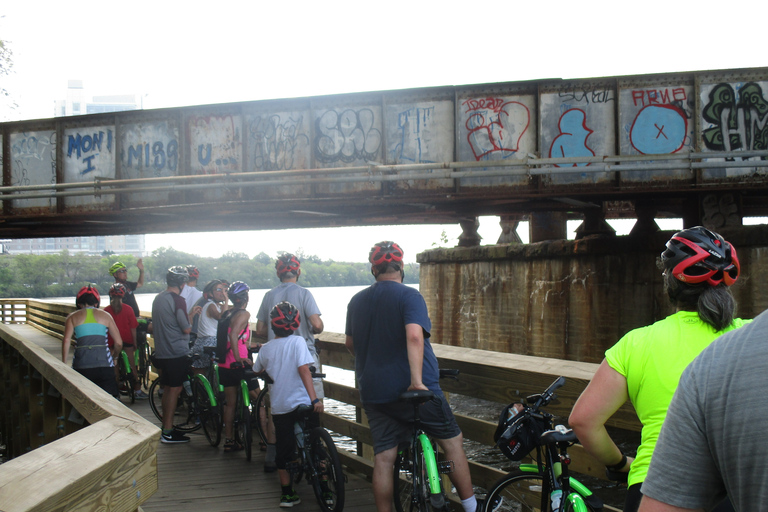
x: 63, y: 274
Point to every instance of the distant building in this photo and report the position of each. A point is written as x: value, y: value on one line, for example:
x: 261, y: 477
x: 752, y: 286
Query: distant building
x: 79, y: 103
x: 90, y: 245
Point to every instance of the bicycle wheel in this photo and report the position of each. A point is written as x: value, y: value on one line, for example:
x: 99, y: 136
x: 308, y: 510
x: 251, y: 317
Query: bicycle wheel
x: 143, y: 365
x: 575, y: 503
x: 327, y: 476
x: 184, y: 417
x: 210, y: 415
x: 518, y: 492
x: 261, y: 414
x: 242, y: 426
x: 411, y: 492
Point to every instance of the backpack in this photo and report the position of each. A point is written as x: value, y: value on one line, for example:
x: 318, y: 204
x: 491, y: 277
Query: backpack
x: 222, y: 335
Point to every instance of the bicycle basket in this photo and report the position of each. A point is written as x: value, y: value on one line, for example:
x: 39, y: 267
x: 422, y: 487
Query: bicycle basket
x: 516, y: 437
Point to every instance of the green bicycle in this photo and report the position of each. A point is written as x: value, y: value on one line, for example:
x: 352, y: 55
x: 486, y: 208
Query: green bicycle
x: 545, y: 486
x: 125, y: 377
x: 198, y: 406
x: 417, y: 482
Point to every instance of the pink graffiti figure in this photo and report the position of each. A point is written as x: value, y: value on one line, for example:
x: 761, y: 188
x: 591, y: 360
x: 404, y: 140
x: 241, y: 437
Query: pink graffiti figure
x: 572, y: 140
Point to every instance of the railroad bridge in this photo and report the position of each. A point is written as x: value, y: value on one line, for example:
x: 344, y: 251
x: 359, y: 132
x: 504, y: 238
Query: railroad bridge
x: 690, y: 145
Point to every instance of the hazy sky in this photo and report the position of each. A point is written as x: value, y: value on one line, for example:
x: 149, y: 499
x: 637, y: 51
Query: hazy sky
x: 192, y: 53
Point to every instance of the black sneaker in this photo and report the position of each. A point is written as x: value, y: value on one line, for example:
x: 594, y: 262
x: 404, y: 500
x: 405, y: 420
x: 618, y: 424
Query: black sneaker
x: 174, y: 437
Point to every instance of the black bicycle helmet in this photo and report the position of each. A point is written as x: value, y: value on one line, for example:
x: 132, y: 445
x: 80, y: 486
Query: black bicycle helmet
x: 238, y: 291
x: 285, y: 316
x: 385, y: 252
x: 698, y: 255
x: 118, y: 290
x: 287, y: 263
x: 176, y: 276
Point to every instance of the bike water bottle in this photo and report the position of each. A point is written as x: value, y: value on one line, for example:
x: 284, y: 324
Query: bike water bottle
x: 187, y: 388
x: 556, y: 497
x: 299, y: 435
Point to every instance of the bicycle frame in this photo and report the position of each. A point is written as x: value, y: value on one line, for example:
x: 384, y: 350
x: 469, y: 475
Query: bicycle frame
x: 574, y: 484
x: 208, y: 388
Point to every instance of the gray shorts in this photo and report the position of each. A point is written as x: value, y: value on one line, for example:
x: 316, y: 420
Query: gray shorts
x: 392, y: 423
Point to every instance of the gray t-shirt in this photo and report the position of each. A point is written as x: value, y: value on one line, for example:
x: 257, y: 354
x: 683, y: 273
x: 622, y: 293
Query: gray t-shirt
x: 712, y: 438
x: 169, y: 320
x: 299, y: 297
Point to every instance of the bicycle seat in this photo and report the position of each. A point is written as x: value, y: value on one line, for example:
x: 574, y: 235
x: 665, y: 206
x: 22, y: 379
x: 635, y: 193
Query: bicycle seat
x: 305, y: 410
x: 558, y: 436
x: 418, y: 396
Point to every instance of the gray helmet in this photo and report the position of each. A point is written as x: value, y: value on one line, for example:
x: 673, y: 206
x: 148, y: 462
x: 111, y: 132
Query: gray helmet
x: 176, y: 276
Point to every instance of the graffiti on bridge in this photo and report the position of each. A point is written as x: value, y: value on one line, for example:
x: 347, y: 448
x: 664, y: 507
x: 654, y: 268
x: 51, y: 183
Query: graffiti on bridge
x: 414, y: 131
x: 88, y: 147
x: 215, y: 143
x: 571, y: 140
x: 739, y: 118
x: 347, y: 137
x: 279, y: 142
x: 154, y: 155
x: 495, y: 127
x: 33, y: 152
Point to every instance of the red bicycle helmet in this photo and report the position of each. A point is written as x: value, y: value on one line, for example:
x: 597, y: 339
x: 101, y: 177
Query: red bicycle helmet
x: 88, y: 290
x: 117, y: 290
x: 698, y: 255
x: 385, y: 252
x: 285, y: 316
x: 193, y: 272
x: 287, y: 263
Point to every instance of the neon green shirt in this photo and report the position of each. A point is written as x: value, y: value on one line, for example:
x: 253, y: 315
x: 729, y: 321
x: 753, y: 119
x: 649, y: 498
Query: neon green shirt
x: 652, y: 359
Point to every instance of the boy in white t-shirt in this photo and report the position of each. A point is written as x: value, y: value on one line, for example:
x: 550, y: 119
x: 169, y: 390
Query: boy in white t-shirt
x: 286, y: 359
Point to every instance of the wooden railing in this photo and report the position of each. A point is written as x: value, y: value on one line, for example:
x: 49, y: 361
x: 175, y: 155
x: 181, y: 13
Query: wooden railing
x: 73, y: 446
x: 494, y: 376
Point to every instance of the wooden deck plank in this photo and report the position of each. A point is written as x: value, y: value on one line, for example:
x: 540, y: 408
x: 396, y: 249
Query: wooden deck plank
x: 195, y: 477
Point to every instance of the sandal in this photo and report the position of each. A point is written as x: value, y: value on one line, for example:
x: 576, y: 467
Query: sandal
x: 231, y: 446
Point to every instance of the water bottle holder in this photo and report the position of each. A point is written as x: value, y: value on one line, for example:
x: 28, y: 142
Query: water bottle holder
x: 445, y: 467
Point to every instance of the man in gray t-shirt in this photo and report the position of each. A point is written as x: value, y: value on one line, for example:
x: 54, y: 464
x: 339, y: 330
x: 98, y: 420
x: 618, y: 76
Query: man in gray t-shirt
x: 712, y: 442
x: 288, y: 270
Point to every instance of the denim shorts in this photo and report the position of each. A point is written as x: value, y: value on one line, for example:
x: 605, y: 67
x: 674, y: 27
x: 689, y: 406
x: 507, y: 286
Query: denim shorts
x: 392, y: 423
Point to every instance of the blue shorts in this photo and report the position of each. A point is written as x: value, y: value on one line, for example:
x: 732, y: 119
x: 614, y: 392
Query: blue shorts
x: 392, y: 423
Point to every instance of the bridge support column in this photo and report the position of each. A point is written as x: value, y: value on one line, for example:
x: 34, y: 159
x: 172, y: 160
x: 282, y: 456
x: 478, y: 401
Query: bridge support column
x: 594, y: 224
x: 469, y: 236
x: 509, y: 234
x: 548, y: 226
x: 646, y: 222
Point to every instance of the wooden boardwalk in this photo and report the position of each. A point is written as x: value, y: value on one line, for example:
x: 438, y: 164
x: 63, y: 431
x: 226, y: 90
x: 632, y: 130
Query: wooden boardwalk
x: 195, y: 477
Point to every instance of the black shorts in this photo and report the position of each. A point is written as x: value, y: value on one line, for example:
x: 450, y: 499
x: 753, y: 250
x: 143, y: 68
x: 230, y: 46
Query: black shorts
x: 285, y: 445
x: 174, y: 371
x: 392, y: 423
x: 229, y: 377
x: 103, y: 376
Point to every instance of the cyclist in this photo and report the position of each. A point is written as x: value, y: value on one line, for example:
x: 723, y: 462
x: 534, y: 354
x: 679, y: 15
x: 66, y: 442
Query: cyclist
x: 713, y: 429
x: 93, y: 358
x: 286, y: 359
x: 214, y: 303
x: 646, y: 364
x: 388, y: 333
x: 126, y: 323
x: 171, y: 332
x: 234, y: 323
x: 120, y: 273
x: 190, y: 292
x: 288, y: 269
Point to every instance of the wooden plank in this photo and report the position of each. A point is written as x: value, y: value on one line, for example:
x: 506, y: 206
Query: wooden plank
x: 109, y: 464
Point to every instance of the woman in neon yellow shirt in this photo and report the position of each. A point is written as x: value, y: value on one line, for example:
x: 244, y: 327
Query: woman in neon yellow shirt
x: 646, y: 364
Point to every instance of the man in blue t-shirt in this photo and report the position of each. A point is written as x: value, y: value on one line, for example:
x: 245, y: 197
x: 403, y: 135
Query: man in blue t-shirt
x: 387, y: 332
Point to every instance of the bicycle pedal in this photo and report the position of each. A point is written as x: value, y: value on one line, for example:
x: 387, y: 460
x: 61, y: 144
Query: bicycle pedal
x: 444, y: 467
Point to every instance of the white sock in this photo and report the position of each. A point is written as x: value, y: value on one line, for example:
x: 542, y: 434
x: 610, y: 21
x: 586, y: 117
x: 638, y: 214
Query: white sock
x: 469, y: 504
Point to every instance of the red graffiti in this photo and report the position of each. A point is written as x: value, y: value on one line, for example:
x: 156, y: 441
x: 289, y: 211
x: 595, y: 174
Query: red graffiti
x: 495, y: 126
x: 492, y: 104
x: 645, y: 97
